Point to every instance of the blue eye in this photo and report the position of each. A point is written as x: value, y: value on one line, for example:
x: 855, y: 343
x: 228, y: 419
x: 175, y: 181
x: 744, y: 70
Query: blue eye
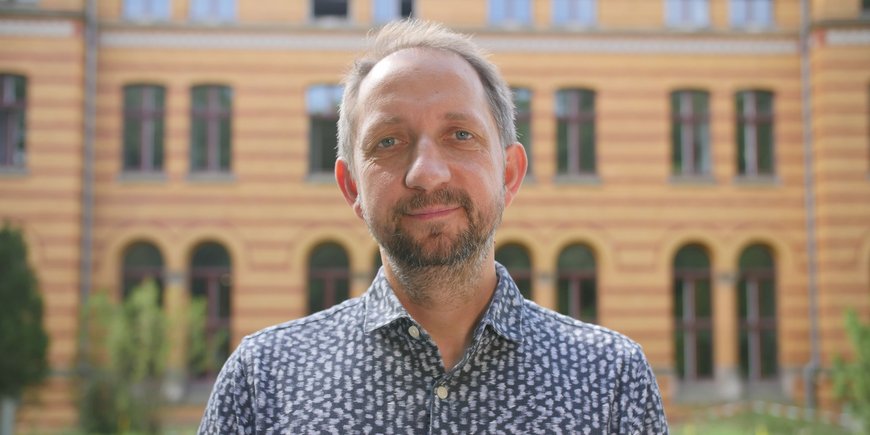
x: 462, y: 135
x: 387, y: 142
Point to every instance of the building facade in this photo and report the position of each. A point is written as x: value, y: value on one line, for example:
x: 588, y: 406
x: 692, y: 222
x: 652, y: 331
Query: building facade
x: 699, y: 173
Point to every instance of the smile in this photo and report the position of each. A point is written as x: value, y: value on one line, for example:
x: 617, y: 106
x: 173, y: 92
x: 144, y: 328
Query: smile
x: 432, y: 212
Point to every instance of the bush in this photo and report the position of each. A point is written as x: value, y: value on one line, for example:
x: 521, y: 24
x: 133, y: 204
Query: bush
x: 852, y: 379
x: 23, y: 340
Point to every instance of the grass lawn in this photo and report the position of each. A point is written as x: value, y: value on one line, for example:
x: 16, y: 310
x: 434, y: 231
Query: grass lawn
x: 755, y: 424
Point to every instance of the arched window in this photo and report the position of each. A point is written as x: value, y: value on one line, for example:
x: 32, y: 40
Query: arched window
x: 693, y: 327
x: 328, y: 277
x: 142, y: 260
x: 211, y: 279
x: 516, y: 259
x: 577, y: 284
x: 757, y: 313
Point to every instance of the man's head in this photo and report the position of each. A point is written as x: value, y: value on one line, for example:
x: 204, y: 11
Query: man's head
x: 401, y: 35
x: 426, y: 163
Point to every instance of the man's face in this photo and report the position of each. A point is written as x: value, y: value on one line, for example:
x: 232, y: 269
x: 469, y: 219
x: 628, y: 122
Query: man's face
x: 430, y: 169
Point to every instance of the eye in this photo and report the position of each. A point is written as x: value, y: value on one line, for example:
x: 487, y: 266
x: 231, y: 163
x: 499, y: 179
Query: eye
x: 387, y: 142
x: 462, y: 135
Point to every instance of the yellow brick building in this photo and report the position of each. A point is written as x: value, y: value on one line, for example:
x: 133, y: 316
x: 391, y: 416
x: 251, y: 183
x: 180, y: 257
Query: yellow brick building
x: 670, y: 194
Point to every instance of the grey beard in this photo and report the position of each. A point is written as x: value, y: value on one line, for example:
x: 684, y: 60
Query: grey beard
x: 446, y: 272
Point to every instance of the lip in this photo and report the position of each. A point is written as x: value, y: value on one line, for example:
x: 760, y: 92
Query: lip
x: 432, y: 213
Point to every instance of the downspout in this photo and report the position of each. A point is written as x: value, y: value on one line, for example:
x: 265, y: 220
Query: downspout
x: 89, y: 118
x: 811, y: 369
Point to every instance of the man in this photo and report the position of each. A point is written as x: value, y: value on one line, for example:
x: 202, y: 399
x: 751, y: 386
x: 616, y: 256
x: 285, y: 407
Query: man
x: 442, y: 341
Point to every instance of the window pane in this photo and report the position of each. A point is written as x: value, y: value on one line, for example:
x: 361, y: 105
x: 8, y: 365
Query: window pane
x: 574, y: 12
x: 692, y: 257
x: 143, y: 255
x: 766, y: 299
x: 679, y: 351
x: 516, y: 260
x: 330, y: 8
x: 705, y: 354
x: 509, y: 12
x: 328, y: 277
x: 768, y: 354
x: 756, y: 257
x: 744, y: 353
x: 225, y: 143
x: 588, y: 301
x: 587, y: 148
x: 765, y: 148
x: 703, y: 304
x: 576, y: 258
x: 322, y: 103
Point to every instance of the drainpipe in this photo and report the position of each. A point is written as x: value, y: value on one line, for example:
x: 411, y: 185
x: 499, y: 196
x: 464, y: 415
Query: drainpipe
x: 90, y: 97
x: 811, y: 369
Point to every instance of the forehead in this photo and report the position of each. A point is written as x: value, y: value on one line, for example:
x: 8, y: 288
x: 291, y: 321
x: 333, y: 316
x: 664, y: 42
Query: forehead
x: 421, y: 71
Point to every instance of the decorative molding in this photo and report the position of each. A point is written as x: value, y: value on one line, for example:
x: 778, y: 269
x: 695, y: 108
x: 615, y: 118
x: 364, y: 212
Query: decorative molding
x: 41, y: 28
x: 848, y: 37
x: 231, y: 41
x: 514, y: 44
x: 642, y: 45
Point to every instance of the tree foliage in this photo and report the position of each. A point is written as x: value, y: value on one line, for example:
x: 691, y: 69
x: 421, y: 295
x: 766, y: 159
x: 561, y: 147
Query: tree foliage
x: 852, y: 378
x: 23, y: 340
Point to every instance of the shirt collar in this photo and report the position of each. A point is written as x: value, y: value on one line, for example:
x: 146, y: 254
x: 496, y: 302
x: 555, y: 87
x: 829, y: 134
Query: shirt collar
x: 504, y: 314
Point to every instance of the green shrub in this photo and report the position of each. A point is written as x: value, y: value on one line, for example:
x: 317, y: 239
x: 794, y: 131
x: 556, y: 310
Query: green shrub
x: 852, y: 378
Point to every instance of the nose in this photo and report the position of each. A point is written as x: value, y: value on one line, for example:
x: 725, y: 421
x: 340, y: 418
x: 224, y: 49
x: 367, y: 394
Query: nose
x: 429, y: 169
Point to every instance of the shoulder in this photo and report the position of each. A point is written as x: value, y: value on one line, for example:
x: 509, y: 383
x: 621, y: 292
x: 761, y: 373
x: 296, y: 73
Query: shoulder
x: 550, y: 328
x: 323, y: 328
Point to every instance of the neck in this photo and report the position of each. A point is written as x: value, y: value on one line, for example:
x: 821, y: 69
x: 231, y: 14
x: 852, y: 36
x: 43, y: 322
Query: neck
x: 448, y: 301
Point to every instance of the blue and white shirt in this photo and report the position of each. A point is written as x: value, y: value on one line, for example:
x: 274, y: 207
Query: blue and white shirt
x: 365, y: 366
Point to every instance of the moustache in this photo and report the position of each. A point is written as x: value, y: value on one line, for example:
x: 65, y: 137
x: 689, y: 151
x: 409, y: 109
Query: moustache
x: 445, y: 196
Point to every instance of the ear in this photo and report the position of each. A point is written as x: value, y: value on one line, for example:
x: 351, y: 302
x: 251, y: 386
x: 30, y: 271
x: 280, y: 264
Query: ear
x: 347, y: 185
x: 514, y: 170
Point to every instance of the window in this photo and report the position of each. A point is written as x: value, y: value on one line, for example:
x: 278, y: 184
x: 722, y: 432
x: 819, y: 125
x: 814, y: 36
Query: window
x: 690, y: 133
x: 211, y: 282
x: 329, y: 9
x: 751, y: 13
x: 322, y: 102
x: 516, y: 259
x: 510, y: 12
x: 755, y: 133
x: 523, y: 121
x: 13, y: 108
x: 143, y: 128
x: 146, y: 10
x: 757, y: 313
x: 575, y: 131
x: 328, y: 277
x: 389, y: 10
x: 575, y: 12
x: 865, y: 6
x: 211, y: 129
x: 693, y: 327
x: 142, y: 261
x: 213, y: 10
x: 577, y: 284
x: 687, y: 13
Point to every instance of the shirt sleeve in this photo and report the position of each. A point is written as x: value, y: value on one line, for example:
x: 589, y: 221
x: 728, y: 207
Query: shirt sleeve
x: 230, y: 406
x: 638, y: 408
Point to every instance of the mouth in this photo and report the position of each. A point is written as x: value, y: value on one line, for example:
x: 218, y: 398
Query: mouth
x: 430, y: 213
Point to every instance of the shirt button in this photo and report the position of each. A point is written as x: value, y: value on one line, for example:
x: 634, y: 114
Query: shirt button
x: 441, y: 392
x: 414, y: 331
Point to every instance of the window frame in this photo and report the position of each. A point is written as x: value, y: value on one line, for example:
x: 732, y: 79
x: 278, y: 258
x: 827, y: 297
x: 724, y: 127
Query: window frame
x: 151, y: 126
x: 690, y: 14
x: 13, y: 114
x: 576, y: 279
x: 576, y: 120
x: 580, y: 13
x: 753, y: 323
x: 218, y: 282
x: 509, y: 13
x: 384, y: 11
x: 212, y: 117
x: 693, y: 138
x: 213, y: 11
x: 750, y: 143
x: 331, y: 277
x: 686, y: 283
x: 320, y: 144
x: 146, y: 10
x: 743, y: 13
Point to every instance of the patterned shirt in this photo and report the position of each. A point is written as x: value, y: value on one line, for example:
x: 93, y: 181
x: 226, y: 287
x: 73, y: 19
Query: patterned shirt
x: 365, y: 366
